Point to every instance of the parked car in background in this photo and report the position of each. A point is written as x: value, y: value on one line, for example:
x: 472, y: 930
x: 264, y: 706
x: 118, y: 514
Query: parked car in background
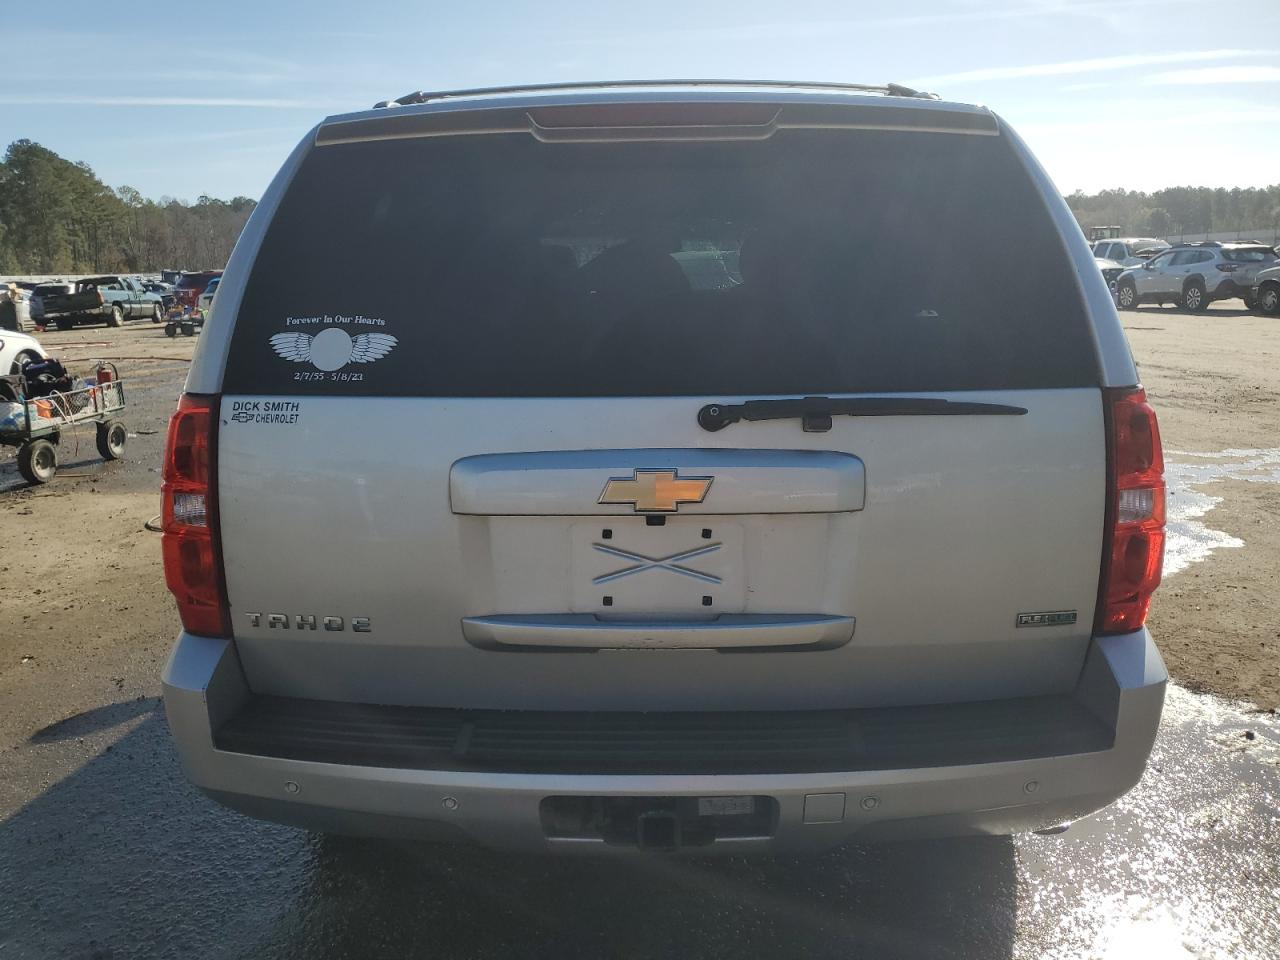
x: 163, y: 290
x: 16, y: 349
x: 190, y: 285
x: 1129, y: 251
x: 1193, y: 275
x: 1110, y: 270
x: 205, y: 301
x: 1266, y: 291
x: 108, y: 299
x: 43, y: 290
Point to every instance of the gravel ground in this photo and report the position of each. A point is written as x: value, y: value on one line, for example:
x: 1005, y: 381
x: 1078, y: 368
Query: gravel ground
x: 105, y: 851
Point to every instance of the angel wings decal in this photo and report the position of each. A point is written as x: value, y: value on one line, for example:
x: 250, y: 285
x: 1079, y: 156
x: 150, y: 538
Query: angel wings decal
x: 332, y: 349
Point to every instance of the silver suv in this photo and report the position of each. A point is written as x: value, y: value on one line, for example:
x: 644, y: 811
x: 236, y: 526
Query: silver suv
x: 635, y: 509
x: 1129, y: 251
x: 1193, y: 275
x: 1266, y: 290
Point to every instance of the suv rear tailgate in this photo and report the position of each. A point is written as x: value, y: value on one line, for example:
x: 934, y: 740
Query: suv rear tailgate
x: 460, y: 462
x: 967, y: 523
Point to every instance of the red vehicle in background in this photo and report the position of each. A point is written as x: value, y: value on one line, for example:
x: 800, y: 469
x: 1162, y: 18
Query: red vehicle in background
x: 190, y: 285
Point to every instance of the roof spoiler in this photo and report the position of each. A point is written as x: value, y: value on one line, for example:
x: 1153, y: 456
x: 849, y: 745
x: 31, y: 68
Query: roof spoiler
x: 633, y: 121
x: 422, y: 96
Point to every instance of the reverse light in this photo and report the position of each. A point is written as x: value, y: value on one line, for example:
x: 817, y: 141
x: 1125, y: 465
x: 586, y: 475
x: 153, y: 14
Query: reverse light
x: 188, y: 513
x: 1133, y: 543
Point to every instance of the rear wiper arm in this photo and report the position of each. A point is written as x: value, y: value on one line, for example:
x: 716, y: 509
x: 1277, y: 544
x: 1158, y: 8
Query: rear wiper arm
x: 815, y: 413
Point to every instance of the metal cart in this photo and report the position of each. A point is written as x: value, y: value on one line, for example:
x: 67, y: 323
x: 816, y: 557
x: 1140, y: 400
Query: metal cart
x: 34, y: 424
x: 184, y: 320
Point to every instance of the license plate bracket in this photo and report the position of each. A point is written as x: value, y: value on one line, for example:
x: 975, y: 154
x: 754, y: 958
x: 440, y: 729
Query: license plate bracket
x: 690, y: 567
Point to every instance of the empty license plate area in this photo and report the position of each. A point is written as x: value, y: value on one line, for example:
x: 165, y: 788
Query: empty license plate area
x: 659, y: 823
x: 689, y: 567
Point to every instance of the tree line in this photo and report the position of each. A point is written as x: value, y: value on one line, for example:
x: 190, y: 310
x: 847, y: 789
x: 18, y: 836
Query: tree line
x: 1179, y: 211
x: 57, y: 217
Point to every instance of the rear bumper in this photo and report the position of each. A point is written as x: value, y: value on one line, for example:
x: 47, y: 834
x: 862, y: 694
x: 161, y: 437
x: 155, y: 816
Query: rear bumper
x: 1230, y: 287
x: 1122, y: 684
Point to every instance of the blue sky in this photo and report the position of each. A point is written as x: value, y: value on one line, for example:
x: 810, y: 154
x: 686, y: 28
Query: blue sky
x: 1138, y: 94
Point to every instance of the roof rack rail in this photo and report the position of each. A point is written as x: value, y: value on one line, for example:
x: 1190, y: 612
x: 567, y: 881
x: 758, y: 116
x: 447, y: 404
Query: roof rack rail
x: 888, y: 89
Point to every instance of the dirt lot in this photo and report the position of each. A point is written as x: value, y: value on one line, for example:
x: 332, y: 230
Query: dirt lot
x: 107, y: 851
x: 1215, y: 382
x: 85, y: 613
x: 99, y: 593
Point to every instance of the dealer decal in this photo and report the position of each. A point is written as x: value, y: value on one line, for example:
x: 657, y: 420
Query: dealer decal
x: 284, y: 412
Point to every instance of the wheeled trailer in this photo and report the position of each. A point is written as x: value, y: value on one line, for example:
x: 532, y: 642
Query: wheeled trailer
x: 34, y: 424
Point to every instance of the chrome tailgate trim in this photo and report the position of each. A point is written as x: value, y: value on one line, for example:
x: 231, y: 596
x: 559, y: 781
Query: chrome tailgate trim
x: 727, y: 631
x: 571, y: 482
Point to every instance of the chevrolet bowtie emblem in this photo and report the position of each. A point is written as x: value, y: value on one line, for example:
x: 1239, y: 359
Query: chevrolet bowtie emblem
x: 656, y: 491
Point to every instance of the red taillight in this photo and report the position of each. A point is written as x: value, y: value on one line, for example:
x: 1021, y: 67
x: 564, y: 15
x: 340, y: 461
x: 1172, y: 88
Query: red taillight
x: 189, y: 517
x: 1227, y: 267
x: 1133, y: 544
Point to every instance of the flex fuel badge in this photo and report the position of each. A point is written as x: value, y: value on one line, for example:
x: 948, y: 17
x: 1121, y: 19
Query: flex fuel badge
x: 281, y: 412
x: 1047, y: 618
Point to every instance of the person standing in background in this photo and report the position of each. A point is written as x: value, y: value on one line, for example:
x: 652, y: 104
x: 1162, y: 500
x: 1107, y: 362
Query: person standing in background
x: 9, y: 296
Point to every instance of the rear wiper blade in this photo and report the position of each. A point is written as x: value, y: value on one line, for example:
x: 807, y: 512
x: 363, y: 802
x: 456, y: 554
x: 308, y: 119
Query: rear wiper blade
x: 815, y: 413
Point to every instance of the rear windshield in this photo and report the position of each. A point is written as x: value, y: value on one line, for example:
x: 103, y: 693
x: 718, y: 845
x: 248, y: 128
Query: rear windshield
x: 1249, y: 255
x: 811, y: 262
x: 189, y: 280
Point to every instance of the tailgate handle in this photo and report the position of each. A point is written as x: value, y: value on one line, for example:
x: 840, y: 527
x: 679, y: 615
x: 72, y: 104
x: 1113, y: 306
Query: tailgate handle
x: 727, y: 632
x: 577, y: 483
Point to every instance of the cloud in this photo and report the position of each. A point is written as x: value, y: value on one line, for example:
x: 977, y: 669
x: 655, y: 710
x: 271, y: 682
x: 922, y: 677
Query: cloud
x: 1204, y: 75
x: 216, y: 136
x: 30, y: 100
x: 1068, y: 67
x: 683, y: 33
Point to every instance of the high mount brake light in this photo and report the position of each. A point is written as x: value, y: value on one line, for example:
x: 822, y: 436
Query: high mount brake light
x: 1133, y: 542
x: 189, y: 518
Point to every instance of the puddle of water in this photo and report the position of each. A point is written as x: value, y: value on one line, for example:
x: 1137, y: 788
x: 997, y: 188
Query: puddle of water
x: 1184, y: 866
x: 1188, y: 539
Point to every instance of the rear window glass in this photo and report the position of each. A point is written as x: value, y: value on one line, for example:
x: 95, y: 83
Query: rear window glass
x: 1250, y: 255
x: 811, y: 262
x: 190, y: 280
